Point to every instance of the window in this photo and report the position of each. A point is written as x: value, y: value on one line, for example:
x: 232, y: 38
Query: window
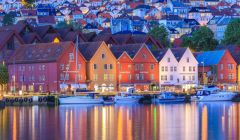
x: 105, y: 77
x: 120, y: 76
x: 169, y: 59
x: 171, y: 69
x: 166, y: 68
x: 166, y: 77
x: 137, y: 67
x: 183, y: 68
x: 141, y: 76
x: 105, y: 66
x: 111, y: 67
x: 230, y: 66
x: 78, y: 66
x: 129, y: 77
x: 162, y: 77
x: 10, y: 45
x: 67, y: 76
x: 71, y: 56
x: 95, y: 77
x: 188, y: 59
x: 43, y: 67
x: 137, y: 76
x: 111, y: 77
x: 61, y: 76
x: 144, y: 56
x: 221, y: 66
x: 221, y: 76
x: 21, y: 78
x: 171, y: 77
x: 103, y: 56
x: 189, y: 78
x: 79, y: 76
x: 141, y: 67
x: 193, y: 77
x: 152, y: 76
x: 193, y: 68
x: 190, y: 68
x: 183, y: 78
x: 152, y: 66
x: 162, y: 68
x: 175, y: 68
x: 67, y: 67
x: 129, y: 67
x: 62, y: 66
x: 95, y: 66
x: 230, y: 76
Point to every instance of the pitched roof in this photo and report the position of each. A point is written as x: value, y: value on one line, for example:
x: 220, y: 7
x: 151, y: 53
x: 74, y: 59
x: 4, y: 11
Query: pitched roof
x: 210, y: 57
x: 159, y: 54
x: 43, y: 30
x: 130, y: 49
x: 88, y: 49
x: 50, y: 37
x: 72, y: 36
x: 6, y: 35
x: 178, y: 52
x: 30, y: 37
x: 233, y: 49
x: 40, y: 53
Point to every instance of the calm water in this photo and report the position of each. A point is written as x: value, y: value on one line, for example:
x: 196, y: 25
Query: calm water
x: 213, y: 121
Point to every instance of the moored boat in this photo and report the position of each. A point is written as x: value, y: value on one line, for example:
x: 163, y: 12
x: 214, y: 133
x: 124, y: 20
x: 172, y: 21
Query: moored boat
x: 89, y: 98
x: 168, y: 97
x: 212, y: 94
x: 127, y: 98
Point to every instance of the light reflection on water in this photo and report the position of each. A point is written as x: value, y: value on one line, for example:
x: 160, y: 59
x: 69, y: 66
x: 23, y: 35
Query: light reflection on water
x: 196, y: 121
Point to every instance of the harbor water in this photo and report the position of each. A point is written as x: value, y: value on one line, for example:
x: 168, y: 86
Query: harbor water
x: 190, y: 121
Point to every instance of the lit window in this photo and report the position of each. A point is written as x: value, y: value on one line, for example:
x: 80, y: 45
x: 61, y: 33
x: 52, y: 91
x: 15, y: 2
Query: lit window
x: 56, y: 40
x: 152, y: 76
x: 105, y: 77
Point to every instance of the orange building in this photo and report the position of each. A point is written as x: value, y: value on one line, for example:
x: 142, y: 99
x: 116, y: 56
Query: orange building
x: 137, y: 67
x: 100, y: 66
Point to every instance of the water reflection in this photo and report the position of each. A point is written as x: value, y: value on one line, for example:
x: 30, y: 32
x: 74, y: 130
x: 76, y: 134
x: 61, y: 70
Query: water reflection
x: 196, y: 121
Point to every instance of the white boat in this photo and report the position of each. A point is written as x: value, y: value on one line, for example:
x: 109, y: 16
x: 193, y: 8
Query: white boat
x: 126, y: 98
x: 168, y: 97
x: 213, y: 94
x: 81, y: 99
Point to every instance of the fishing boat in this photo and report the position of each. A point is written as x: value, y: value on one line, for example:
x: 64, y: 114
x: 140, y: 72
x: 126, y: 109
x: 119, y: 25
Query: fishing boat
x: 89, y: 98
x: 126, y: 98
x: 168, y: 97
x: 212, y: 93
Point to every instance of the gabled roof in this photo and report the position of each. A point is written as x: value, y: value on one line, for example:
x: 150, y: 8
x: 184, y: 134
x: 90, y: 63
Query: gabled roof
x: 88, y: 49
x: 72, y: 36
x: 130, y: 49
x: 30, y: 37
x: 50, y: 37
x: 6, y: 35
x: 40, y: 53
x: 210, y: 58
x: 159, y: 54
x: 233, y: 49
x: 178, y: 52
x: 43, y: 30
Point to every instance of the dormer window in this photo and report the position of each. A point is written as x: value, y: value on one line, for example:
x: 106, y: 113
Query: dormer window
x: 103, y: 56
x: 144, y: 56
x: 188, y: 59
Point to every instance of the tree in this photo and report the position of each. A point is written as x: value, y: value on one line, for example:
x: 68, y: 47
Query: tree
x: 3, y: 75
x: 201, y: 40
x: 8, y: 19
x: 28, y: 3
x: 161, y: 34
x: 232, y: 33
x: 65, y: 24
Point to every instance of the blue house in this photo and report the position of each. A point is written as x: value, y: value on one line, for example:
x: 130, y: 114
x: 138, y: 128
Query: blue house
x: 45, y: 10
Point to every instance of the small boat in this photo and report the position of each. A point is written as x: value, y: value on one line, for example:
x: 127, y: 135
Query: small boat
x: 212, y: 94
x: 168, y: 97
x: 89, y: 98
x: 126, y: 98
x: 109, y: 101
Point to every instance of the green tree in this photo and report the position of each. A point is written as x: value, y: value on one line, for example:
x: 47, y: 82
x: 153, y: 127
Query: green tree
x: 161, y: 34
x: 28, y: 3
x: 8, y: 19
x: 232, y: 33
x: 65, y: 24
x: 3, y: 76
x: 201, y: 40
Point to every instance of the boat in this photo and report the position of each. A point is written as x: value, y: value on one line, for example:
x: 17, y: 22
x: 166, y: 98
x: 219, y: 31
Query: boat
x: 126, y: 98
x: 168, y: 97
x: 212, y: 93
x: 89, y: 98
x: 109, y: 101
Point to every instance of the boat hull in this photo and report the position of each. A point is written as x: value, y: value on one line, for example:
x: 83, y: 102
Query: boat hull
x: 168, y: 100
x: 214, y: 97
x: 79, y: 100
x: 125, y: 100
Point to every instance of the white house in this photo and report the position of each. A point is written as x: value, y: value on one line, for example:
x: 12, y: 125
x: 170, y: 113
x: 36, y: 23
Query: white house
x: 187, y: 68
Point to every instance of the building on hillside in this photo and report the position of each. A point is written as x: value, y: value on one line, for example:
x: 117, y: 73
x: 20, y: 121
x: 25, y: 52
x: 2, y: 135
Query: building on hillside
x: 217, y: 68
x: 47, y: 67
x: 100, y: 67
x: 202, y: 14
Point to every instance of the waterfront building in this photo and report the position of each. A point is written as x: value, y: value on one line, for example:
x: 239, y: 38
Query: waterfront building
x: 100, y: 67
x: 46, y: 67
x: 137, y: 67
x: 218, y: 68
